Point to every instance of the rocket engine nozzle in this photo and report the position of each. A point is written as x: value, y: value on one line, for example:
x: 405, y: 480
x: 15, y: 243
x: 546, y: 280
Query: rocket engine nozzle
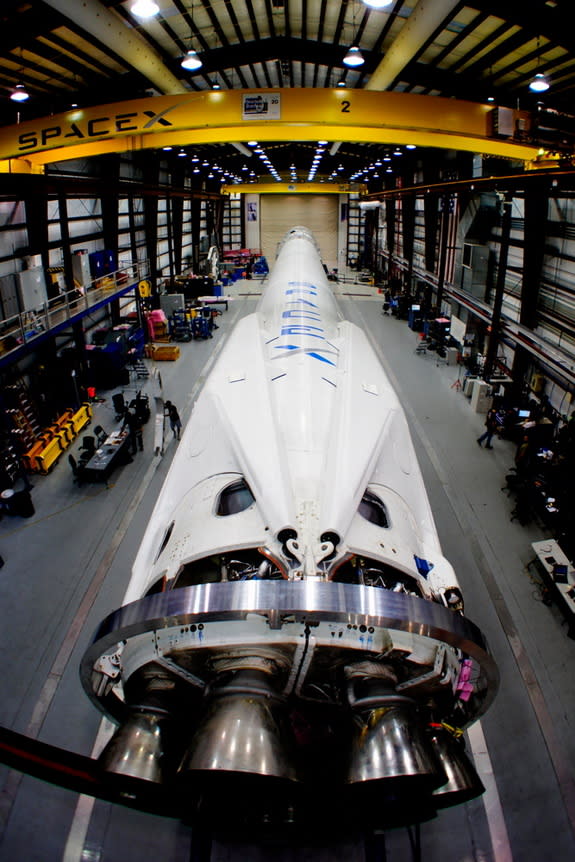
x: 136, y: 749
x: 463, y: 782
x: 389, y: 746
x: 241, y: 731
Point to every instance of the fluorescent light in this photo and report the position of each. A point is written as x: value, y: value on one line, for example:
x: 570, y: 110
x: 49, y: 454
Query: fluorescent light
x: 19, y: 93
x: 353, y: 57
x: 191, y: 61
x: 144, y: 8
x: 378, y: 4
x: 539, y: 84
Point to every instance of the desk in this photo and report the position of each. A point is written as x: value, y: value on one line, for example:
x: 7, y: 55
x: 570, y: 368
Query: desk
x: 543, y: 504
x: 112, y: 453
x: 215, y: 300
x: 547, y: 554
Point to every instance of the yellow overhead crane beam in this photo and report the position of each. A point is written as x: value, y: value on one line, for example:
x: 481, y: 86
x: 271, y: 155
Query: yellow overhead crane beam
x: 310, y: 187
x: 309, y: 114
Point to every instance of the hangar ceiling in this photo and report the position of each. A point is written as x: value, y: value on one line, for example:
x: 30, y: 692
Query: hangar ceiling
x: 69, y: 53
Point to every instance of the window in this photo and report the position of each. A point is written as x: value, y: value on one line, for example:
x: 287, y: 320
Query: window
x: 372, y: 509
x: 165, y: 541
x: 235, y: 498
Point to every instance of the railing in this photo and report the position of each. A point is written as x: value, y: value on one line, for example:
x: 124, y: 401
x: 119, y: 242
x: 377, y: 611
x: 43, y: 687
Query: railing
x: 24, y: 327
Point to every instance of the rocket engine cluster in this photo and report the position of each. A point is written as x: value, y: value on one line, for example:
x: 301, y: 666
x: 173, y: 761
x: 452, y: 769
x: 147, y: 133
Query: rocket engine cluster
x: 293, y: 644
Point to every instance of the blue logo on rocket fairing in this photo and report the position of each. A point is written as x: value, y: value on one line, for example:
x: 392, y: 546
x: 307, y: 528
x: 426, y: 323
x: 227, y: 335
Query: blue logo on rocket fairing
x: 301, y: 319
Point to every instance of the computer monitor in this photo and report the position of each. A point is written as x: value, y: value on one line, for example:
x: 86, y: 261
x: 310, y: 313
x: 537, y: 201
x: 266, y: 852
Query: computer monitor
x: 560, y: 573
x: 524, y: 414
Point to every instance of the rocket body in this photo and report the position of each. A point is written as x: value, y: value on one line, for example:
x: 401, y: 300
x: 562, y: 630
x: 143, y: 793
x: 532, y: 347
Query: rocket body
x: 291, y: 575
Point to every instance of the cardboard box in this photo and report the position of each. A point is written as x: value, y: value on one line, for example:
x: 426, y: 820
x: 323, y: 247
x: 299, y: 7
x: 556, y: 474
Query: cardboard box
x: 163, y: 352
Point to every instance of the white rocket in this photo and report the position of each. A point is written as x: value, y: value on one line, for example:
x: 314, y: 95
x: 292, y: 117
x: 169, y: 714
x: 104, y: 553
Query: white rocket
x: 290, y: 597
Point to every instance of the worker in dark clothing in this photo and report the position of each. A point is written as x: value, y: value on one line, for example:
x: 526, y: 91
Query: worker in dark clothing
x: 491, y: 426
x: 523, y: 456
x: 171, y: 411
x: 134, y: 425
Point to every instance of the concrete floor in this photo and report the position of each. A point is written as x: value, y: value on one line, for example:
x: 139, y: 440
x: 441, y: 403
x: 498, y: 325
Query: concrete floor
x: 68, y: 566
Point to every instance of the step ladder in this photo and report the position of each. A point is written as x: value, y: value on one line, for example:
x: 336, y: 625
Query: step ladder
x: 140, y: 369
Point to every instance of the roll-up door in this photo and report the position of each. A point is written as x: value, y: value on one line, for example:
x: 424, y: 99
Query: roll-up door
x: 319, y: 213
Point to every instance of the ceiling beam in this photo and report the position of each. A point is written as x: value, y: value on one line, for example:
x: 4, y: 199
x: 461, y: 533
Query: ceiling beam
x: 427, y: 17
x: 113, y: 35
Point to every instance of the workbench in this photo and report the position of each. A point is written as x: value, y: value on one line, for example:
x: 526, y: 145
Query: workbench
x: 112, y: 453
x: 558, y: 576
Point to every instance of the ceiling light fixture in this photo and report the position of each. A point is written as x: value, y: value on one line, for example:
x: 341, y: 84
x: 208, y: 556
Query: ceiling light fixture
x: 191, y: 61
x: 19, y: 93
x: 144, y: 8
x: 353, y: 58
x: 377, y: 4
x: 539, y: 84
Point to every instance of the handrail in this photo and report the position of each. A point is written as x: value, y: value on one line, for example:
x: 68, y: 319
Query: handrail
x: 558, y: 360
x: 24, y: 327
